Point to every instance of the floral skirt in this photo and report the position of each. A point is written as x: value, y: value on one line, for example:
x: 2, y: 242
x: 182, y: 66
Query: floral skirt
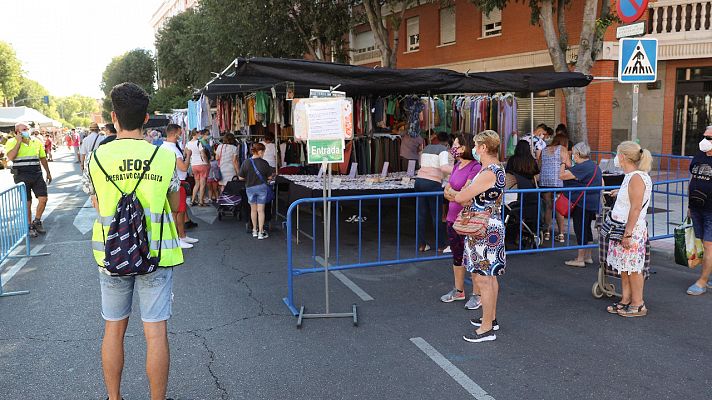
x: 486, y: 256
x: 636, y: 259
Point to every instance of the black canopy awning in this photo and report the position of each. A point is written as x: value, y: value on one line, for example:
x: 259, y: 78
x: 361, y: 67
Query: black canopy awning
x: 252, y: 74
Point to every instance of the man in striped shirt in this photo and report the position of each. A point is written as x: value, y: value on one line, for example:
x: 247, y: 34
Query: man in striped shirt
x: 27, y: 154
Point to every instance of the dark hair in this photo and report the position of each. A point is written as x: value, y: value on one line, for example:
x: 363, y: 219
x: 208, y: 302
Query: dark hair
x: 130, y: 103
x: 443, y: 137
x: 229, y: 138
x: 541, y: 126
x: 257, y: 147
x: 269, y: 137
x: 194, y: 133
x: 549, y: 131
x: 561, y: 128
x: 560, y: 140
x: 111, y: 128
x: 522, y: 162
x: 466, y: 142
x: 172, y: 129
x: 205, y: 131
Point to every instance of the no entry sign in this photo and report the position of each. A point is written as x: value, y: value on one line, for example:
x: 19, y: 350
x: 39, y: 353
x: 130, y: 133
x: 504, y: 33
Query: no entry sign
x: 630, y: 11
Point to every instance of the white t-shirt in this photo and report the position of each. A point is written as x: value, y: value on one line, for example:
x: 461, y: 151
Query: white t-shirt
x: 270, y: 154
x: 196, y: 153
x: 91, y: 143
x: 182, y: 175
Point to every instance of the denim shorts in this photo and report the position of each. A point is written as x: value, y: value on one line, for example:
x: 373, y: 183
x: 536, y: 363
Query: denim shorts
x: 702, y: 224
x: 155, y: 293
x: 257, y: 194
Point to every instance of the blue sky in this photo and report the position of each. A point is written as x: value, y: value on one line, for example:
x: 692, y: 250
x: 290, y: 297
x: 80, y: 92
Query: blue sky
x: 66, y: 44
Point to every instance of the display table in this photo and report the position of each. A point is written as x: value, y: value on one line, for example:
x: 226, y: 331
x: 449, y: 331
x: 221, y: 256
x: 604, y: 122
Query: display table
x: 309, y: 186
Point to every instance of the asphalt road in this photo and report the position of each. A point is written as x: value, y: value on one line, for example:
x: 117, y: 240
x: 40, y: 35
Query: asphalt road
x: 232, y: 337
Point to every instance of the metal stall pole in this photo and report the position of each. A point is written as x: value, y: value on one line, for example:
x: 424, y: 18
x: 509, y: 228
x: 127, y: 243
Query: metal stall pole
x: 634, y: 120
x: 531, y: 123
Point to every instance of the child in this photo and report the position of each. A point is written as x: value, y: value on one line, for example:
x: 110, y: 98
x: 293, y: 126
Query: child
x: 214, y: 177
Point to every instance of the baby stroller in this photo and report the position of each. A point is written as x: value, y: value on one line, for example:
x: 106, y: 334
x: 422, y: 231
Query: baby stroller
x: 228, y: 203
x: 529, y: 213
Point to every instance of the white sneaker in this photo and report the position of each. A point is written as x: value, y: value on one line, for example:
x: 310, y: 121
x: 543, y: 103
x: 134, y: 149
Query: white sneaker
x: 190, y: 240
x: 254, y: 234
x: 263, y: 235
x: 184, y: 245
x: 447, y: 250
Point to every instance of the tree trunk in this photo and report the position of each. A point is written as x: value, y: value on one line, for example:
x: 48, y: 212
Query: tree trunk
x: 380, y: 32
x: 575, y: 100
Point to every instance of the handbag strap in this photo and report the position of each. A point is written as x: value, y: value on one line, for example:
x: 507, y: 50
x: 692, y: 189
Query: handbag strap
x: 257, y: 171
x: 595, y: 172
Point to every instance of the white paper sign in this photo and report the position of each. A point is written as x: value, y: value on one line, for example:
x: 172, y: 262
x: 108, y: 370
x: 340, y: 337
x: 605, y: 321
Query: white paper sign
x: 354, y: 170
x: 384, y: 172
x: 411, y: 167
x: 324, y: 120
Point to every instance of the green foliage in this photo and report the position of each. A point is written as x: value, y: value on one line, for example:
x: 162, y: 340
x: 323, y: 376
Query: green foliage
x: 181, y: 48
x: 10, y: 72
x: 137, y: 66
x: 170, y: 97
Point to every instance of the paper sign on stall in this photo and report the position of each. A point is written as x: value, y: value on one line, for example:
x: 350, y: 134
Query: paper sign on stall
x: 384, y: 172
x: 354, y: 170
x: 411, y: 167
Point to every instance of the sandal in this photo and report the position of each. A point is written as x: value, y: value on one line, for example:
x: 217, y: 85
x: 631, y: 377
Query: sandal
x: 633, y: 311
x: 560, y: 238
x: 575, y: 263
x: 193, y: 203
x: 547, y: 236
x: 615, y: 307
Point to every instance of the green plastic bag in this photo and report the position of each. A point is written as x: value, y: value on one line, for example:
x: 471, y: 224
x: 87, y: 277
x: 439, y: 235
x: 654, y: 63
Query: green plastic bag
x: 688, y: 249
x: 512, y: 145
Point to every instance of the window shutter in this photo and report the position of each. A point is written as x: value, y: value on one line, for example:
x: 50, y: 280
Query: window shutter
x: 413, y: 31
x: 492, y: 24
x: 447, y: 25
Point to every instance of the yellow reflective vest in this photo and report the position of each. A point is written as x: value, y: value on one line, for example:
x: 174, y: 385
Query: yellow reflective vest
x: 124, y: 161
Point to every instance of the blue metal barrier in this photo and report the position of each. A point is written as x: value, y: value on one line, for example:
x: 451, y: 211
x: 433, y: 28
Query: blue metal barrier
x: 14, y: 227
x: 524, y: 235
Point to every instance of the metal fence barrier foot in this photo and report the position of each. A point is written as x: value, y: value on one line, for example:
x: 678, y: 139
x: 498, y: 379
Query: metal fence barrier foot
x: 291, y: 306
x: 302, y: 316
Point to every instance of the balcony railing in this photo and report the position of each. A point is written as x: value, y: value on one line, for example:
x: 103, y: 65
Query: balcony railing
x: 366, y: 56
x: 684, y: 18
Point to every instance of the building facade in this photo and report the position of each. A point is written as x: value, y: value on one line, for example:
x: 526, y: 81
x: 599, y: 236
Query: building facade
x: 673, y: 111
x: 169, y: 9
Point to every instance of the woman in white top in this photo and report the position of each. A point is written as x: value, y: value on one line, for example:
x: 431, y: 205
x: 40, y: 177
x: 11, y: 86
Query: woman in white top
x: 628, y: 257
x: 199, y: 161
x: 270, y: 150
x: 226, y: 154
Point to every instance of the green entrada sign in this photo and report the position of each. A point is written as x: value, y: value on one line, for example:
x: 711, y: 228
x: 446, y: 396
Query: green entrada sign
x: 325, y: 150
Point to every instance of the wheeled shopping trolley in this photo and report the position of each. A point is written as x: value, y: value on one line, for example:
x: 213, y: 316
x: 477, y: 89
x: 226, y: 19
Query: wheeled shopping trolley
x: 603, y: 285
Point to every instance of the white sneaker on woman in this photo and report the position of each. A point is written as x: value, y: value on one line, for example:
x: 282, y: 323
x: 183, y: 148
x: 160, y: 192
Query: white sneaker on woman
x: 184, y: 245
x: 189, y: 239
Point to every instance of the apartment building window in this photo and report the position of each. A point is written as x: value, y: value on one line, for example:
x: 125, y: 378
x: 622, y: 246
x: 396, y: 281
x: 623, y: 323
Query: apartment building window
x: 413, y: 32
x: 447, y: 25
x: 364, y: 42
x: 492, y: 23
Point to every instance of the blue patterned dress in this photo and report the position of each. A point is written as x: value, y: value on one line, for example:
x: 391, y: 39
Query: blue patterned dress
x: 486, y: 256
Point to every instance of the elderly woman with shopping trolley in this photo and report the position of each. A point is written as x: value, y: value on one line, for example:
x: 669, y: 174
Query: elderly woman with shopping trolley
x: 481, y: 223
x: 626, y: 230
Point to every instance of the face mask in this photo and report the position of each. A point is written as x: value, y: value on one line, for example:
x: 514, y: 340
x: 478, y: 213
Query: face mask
x: 454, y: 152
x: 573, y: 161
x: 25, y: 134
x: 705, y: 145
x: 475, y: 155
x: 616, y: 161
x: 548, y: 140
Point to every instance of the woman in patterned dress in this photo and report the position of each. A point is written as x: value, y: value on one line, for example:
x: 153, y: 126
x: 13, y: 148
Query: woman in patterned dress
x: 627, y: 257
x: 485, y: 257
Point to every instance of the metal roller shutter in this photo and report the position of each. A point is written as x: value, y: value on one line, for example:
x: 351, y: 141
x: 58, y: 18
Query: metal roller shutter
x: 544, y: 112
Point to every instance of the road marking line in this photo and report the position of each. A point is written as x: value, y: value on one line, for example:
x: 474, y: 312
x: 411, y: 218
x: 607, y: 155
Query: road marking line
x: 84, y: 221
x: 17, y: 267
x: 468, y: 384
x: 348, y: 282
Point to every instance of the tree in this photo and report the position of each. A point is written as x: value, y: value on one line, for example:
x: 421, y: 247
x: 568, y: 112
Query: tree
x: 551, y: 16
x: 10, y: 73
x: 181, y: 48
x: 322, y: 26
x: 169, y: 98
x: 75, y: 110
x: 137, y: 66
x: 379, y: 26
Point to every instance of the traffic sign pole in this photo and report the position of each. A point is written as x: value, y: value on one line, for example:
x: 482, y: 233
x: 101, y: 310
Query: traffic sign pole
x: 634, y: 119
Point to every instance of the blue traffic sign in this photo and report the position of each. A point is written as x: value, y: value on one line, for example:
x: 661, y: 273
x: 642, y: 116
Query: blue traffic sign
x: 638, y: 60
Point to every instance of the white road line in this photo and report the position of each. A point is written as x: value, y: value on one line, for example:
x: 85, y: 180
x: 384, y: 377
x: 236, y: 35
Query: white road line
x: 347, y: 282
x: 468, y: 384
x: 84, y: 221
x: 17, y: 267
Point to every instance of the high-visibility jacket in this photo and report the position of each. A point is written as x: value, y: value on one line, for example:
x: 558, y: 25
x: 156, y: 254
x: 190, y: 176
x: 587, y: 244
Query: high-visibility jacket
x: 124, y: 160
x: 28, y: 156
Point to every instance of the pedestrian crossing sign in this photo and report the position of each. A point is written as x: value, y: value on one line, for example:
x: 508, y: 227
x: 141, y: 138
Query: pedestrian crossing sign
x: 638, y: 60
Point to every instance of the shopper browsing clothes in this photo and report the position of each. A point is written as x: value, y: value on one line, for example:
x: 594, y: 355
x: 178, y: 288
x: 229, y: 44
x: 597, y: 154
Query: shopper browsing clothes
x: 463, y: 172
x: 257, y: 172
x: 485, y: 255
x: 700, y: 209
x: 434, y: 164
x: 584, y: 205
x: 199, y: 161
x: 628, y: 256
x: 553, y: 160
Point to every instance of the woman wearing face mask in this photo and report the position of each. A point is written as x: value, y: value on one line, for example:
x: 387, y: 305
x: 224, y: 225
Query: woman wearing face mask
x: 700, y: 209
x: 463, y: 172
x: 628, y: 257
x: 486, y: 256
